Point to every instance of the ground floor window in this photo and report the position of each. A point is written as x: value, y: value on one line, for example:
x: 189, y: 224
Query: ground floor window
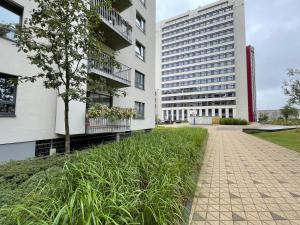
x: 8, y: 91
x: 217, y: 112
x: 140, y: 110
x: 223, y: 113
x: 230, y: 113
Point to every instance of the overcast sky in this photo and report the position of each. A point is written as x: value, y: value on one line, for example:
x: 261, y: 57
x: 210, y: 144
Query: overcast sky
x: 273, y: 28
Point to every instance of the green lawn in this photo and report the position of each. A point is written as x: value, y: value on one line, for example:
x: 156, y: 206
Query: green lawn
x: 289, y: 139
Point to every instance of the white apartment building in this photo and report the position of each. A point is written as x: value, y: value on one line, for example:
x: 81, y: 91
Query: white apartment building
x: 31, y: 117
x: 201, y: 63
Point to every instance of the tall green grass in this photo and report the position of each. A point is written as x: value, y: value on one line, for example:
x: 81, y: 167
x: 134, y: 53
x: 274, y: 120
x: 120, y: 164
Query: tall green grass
x: 146, y: 179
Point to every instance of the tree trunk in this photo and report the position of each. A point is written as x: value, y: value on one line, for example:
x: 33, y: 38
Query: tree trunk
x: 66, y: 100
x: 67, y: 129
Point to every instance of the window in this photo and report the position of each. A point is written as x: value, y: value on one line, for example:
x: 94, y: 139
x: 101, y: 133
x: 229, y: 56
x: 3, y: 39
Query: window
x: 230, y: 113
x: 139, y: 80
x: 140, y: 22
x: 143, y: 2
x: 217, y: 112
x: 101, y: 99
x: 140, y: 51
x: 10, y: 18
x: 8, y: 90
x: 223, y: 113
x: 140, y: 110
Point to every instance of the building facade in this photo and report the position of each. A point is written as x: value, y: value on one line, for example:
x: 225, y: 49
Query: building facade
x: 202, y: 63
x: 251, y: 83
x: 32, y: 116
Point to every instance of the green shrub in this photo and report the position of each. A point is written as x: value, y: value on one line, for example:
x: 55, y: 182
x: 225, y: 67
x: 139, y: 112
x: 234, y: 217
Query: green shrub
x: 17, y: 172
x: 233, y: 121
x: 146, y: 179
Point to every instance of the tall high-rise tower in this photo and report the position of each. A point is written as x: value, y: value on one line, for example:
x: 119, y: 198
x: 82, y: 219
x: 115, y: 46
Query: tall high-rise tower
x: 202, y: 62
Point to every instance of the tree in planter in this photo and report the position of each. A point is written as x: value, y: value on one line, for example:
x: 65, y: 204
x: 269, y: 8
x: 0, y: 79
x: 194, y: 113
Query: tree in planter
x: 289, y: 111
x: 59, y: 38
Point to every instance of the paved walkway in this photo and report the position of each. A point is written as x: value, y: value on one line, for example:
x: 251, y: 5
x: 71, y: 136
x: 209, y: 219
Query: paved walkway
x: 245, y: 180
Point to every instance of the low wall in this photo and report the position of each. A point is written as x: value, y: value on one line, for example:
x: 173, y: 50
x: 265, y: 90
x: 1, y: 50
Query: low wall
x: 17, y: 151
x: 201, y: 120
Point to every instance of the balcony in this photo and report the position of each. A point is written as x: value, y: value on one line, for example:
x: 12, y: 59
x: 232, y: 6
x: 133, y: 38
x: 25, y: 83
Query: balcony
x: 121, y: 5
x: 103, y: 125
x: 117, y: 74
x: 117, y: 32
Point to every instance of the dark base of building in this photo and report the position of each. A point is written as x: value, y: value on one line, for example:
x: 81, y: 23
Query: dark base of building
x: 41, y: 148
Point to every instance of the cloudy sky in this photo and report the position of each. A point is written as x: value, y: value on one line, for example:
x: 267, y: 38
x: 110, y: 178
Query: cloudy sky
x: 273, y: 28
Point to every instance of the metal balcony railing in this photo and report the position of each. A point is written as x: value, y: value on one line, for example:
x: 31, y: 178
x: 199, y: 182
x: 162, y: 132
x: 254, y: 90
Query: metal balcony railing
x: 109, y: 66
x: 113, y: 18
x: 103, y: 125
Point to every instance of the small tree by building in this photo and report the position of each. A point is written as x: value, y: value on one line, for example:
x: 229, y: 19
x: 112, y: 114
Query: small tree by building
x: 291, y: 87
x: 289, y: 111
x: 59, y: 38
x: 263, y: 118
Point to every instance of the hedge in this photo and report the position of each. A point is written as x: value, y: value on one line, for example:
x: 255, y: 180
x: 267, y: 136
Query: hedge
x: 233, y: 121
x: 146, y: 179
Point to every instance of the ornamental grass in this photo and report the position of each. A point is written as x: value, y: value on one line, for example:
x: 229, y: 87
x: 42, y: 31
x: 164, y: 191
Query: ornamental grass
x: 146, y: 179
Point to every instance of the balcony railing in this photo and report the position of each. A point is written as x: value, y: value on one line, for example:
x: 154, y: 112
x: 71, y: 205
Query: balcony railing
x: 107, y: 66
x: 103, y: 125
x: 113, y: 18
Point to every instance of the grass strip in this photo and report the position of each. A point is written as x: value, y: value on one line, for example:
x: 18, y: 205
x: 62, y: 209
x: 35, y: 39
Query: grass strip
x: 289, y: 139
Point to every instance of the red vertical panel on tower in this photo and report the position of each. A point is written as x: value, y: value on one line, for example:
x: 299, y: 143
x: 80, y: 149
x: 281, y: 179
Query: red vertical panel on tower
x: 250, y: 86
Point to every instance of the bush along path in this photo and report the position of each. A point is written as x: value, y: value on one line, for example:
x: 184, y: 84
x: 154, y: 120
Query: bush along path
x: 146, y: 179
x: 233, y: 121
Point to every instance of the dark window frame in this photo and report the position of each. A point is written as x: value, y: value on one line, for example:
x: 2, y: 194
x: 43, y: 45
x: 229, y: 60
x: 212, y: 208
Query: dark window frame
x: 139, y: 16
x: 14, y: 102
x: 139, y: 115
x: 138, y: 85
x: 138, y: 55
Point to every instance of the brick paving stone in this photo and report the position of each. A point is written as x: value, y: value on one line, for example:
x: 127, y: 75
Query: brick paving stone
x: 246, y: 180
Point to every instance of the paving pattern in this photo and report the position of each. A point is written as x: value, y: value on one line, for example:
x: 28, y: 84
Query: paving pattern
x: 245, y: 180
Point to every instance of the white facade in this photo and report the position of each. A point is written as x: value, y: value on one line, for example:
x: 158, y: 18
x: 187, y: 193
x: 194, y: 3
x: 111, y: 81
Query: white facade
x: 202, y: 62
x: 39, y: 112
